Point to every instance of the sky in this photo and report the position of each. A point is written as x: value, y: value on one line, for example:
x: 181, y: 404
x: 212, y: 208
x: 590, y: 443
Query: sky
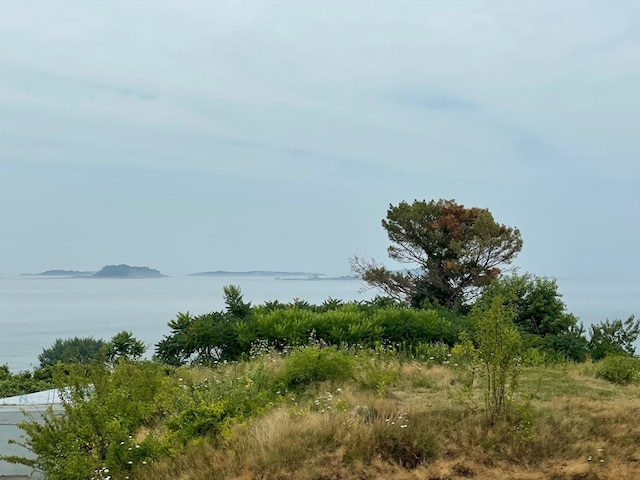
x: 207, y: 135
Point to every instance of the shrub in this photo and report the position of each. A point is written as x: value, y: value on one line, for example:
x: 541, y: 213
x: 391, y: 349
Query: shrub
x: 103, y: 409
x: 414, y: 326
x: 124, y: 346
x: 198, y: 420
x: 347, y: 325
x: 614, y: 337
x: 377, y: 376
x: 312, y: 364
x: 620, y: 369
x: 286, y: 326
x: 72, y: 350
x: 498, y: 353
x: 24, y: 382
x: 429, y: 353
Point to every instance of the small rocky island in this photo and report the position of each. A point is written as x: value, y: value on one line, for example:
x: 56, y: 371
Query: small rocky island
x: 62, y: 273
x: 127, y: 271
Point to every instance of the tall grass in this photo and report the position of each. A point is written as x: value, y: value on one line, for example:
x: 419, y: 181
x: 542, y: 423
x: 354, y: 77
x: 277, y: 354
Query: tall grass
x: 565, y: 424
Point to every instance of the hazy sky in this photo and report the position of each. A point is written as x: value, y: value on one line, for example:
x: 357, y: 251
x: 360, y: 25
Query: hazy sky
x: 202, y: 135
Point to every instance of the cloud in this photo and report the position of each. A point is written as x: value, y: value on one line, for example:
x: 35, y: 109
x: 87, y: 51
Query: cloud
x: 480, y: 101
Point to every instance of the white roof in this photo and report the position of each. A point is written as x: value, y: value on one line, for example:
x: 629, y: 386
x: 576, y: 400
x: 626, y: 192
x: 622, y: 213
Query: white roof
x: 46, y: 397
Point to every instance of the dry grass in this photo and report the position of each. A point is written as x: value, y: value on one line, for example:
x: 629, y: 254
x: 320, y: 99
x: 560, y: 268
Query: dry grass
x: 565, y: 425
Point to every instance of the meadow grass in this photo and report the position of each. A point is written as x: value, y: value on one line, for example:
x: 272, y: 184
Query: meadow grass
x: 410, y: 420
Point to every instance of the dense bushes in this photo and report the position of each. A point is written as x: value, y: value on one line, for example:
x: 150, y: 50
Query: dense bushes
x: 219, y: 336
x: 614, y: 337
x: 621, y: 369
x: 104, y: 409
x: 72, y: 350
x: 24, y: 382
x: 312, y: 364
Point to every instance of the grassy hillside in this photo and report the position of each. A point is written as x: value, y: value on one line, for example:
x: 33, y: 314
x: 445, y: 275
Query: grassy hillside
x: 414, y: 420
x: 319, y: 412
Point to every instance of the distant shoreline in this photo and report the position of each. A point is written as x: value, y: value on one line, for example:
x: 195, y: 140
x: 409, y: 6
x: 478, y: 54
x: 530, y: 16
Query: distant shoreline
x: 253, y: 273
x: 108, y: 271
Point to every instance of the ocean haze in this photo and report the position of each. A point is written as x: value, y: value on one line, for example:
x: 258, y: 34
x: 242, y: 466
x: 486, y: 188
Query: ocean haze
x: 35, y: 311
x: 196, y: 136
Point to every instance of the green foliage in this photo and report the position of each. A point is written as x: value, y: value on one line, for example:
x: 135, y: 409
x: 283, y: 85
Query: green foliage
x: 204, y: 339
x: 24, y: 382
x: 536, y: 303
x: 614, y: 337
x: 412, y: 327
x: 378, y: 376
x: 287, y: 326
x: 198, y: 420
x: 620, y: 369
x: 540, y: 314
x: 218, y: 336
x: 72, y: 350
x: 208, y: 407
x: 570, y: 345
x: 312, y: 364
x: 349, y: 325
x: 235, y: 304
x: 103, y: 409
x: 456, y: 250
x: 498, y: 353
x: 124, y: 346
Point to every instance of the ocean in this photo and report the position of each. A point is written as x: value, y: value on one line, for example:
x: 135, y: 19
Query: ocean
x: 35, y: 311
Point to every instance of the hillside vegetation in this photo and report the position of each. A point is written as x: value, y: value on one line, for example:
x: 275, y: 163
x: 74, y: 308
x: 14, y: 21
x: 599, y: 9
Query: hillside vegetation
x: 459, y: 372
x: 370, y: 390
x: 317, y: 412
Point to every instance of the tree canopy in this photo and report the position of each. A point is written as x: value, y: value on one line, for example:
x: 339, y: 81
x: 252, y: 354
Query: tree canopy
x: 72, y: 350
x: 454, y: 250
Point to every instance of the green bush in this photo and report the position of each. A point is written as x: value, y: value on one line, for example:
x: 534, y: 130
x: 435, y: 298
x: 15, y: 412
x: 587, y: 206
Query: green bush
x: 378, y: 376
x: 311, y: 364
x: 404, y: 325
x: 346, y: 325
x: 103, y: 409
x: 614, y: 337
x: 73, y: 350
x: 24, y: 382
x: 198, y: 420
x: 430, y: 353
x: 286, y: 326
x: 620, y: 369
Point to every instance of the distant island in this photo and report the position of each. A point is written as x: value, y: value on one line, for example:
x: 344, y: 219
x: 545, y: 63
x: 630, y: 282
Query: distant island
x: 62, y: 273
x: 127, y: 271
x: 108, y: 271
x: 320, y: 277
x: 254, y: 273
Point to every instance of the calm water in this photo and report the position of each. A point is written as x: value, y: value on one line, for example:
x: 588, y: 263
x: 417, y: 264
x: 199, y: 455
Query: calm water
x: 36, y: 311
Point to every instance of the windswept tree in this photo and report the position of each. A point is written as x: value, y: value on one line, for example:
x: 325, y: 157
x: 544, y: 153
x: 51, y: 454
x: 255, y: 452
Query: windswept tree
x: 454, y: 251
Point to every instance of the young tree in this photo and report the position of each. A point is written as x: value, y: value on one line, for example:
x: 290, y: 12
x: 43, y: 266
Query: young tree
x: 455, y: 251
x: 499, y: 345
